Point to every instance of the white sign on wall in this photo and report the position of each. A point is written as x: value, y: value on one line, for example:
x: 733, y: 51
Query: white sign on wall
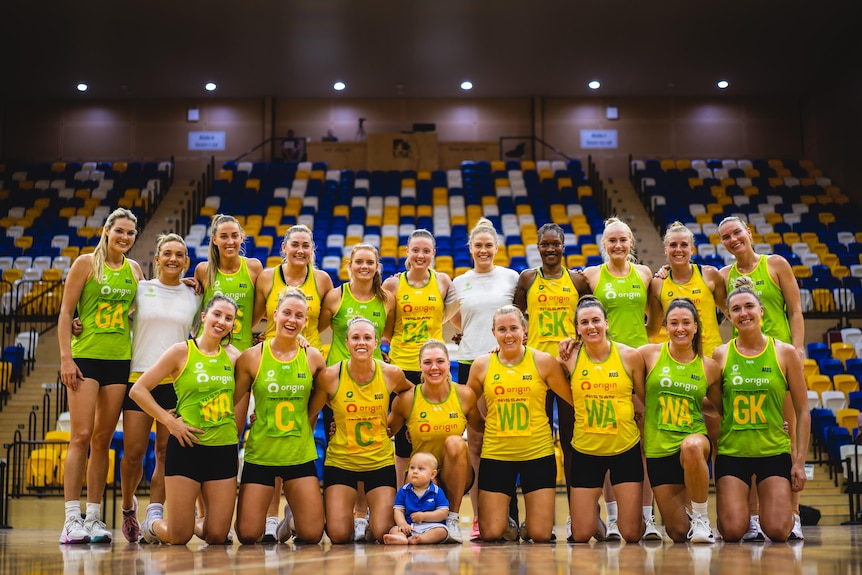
x: 598, y: 139
x: 206, y: 140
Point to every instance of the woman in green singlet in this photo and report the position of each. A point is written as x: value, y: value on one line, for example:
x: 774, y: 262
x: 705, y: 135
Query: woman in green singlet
x: 758, y: 371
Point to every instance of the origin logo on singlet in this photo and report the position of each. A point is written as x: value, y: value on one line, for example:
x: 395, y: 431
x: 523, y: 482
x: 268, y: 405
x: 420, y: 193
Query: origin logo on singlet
x: 675, y: 399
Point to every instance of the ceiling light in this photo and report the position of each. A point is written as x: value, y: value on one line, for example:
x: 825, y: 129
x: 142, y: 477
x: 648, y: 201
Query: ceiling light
x: 466, y: 85
x: 210, y: 86
x: 595, y: 85
x: 723, y: 84
x: 82, y: 87
x: 339, y: 86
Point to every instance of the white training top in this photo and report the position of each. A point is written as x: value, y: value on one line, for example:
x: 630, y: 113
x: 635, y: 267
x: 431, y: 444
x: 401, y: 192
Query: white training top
x: 478, y: 296
x: 163, y: 316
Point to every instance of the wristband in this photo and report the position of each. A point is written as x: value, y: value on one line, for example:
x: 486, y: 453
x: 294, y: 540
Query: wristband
x: 385, y: 347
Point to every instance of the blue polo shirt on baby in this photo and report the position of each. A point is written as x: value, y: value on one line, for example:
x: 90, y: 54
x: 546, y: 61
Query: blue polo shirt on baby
x: 432, y: 499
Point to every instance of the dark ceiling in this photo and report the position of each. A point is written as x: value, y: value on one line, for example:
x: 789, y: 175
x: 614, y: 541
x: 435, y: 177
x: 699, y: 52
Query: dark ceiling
x: 382, y: 49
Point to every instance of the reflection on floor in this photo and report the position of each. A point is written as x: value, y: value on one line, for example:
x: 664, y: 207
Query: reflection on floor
x: 825, y: 551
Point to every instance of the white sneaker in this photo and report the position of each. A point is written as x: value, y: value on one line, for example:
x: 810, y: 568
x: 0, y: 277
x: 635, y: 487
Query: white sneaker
x: 270, y: 529
x: 613, y: 532
x: 147, y: 533
x: 700, y: 531
x: 74, y: 531
x: 360, y: 526
x: 453, y: 527
x: 511, y: 533
x: 569, y: 537
x: 230, y: 537
x: 286, y: 528
x: 754, y: 532
x: 796, y: 532
x: 98, y: 531
x: 651, y: 533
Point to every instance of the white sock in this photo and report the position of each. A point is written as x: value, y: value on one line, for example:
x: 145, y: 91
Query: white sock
x: 453, y: 515
x: 155, y: 511
x: 701, y: 509
x: 647, y: 512
x: 611, y: 510
x: 73, y: 509
x: 94, y: 511
x: 755, y: 517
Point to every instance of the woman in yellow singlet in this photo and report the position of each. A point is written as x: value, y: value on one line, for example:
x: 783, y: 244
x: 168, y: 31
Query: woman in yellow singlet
x: 436, y: 412
x: 420, y: 296
x: 514, y: 382
x: 358, y: 389
x: 604, y: 374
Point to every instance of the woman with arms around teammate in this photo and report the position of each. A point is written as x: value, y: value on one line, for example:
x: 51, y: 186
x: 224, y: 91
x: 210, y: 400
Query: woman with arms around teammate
x: 419, y: 295
x: 201, y: 455
x: 703, y: 285
x: 677, y: 447
x: 474, y: 297
x: 165, y: 310
x: 548, y: 296
x: 362, y: 296
x: 94, y: 367
x: 358, y: 390
x: 604, y: 375
x: 280, y: 374
x: 514, y: 382
x: 758, y: 371
x: 622, y: 286
x: 436, y: 413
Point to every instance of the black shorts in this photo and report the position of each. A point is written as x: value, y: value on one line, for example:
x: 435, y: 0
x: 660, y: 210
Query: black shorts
x: 164, y: 394
x: 266, y: 474
x: 744, y: 467
x: 500, y: 476
x: 464, y: 371
x: 668, y: 470
x: 403, y: 448
x: 588, y: 471
x: 383, y: 477
x: 105, y: 371
x: 201, y: 463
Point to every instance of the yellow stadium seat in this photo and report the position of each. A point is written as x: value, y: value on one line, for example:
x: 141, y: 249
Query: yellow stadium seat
x: 528, y: 165
x: 516, y: 250
x: 460, y: 271
x: 42, y: 467
x: 225, y: 175
x: 800, y: 272
x: 590, y: 250
x: 24, y: 242
x: 426, y: 174
x: 845, y: 382
x: 683, y: 164
x: 576, y: 261
x: 791, y: 238
x: 819, y: 383
x: 840, y: 271
x: 772, y: 238
x: 843, y: 351
x: 773, y: 218
x: 847, y: 418
x: 58, y: 167
x: 752, y: 173
x: 823, y: 301
x: 668, y: 165
x: 703, y: 218
x: 87, y: 250
x: 584, y: 191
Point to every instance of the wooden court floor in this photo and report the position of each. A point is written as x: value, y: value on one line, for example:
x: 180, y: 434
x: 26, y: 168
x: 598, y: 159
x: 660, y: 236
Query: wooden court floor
x: 831, y: 550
